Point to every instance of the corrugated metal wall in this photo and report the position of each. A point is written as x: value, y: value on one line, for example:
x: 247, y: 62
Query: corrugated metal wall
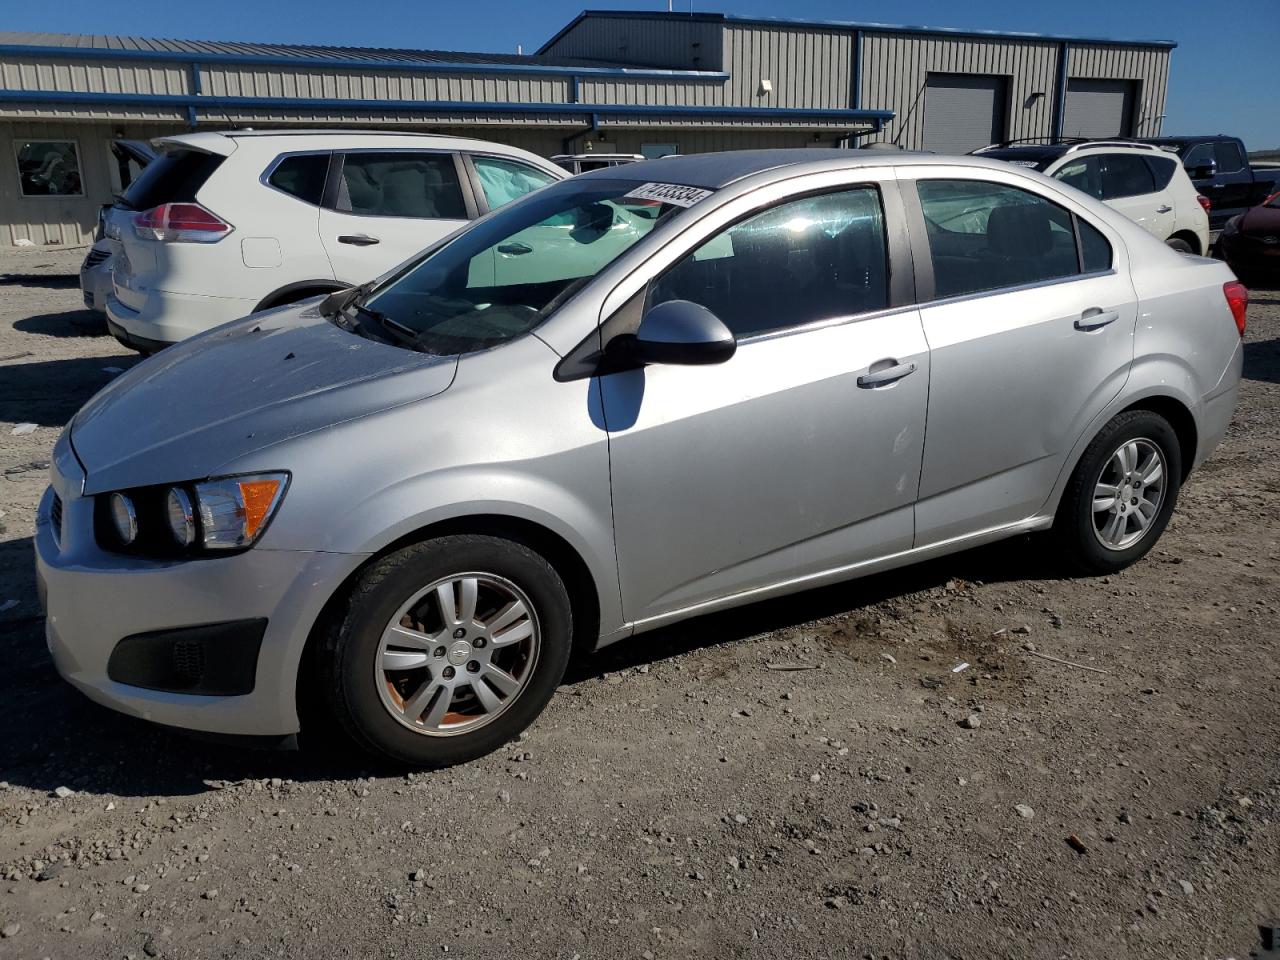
x: 896, y: 66
x: 89, y: 76
x: 672, y: 42
x: 1149, y: 66
x: 317, y: 82
x: 808, y: 68
x: 66, y: 221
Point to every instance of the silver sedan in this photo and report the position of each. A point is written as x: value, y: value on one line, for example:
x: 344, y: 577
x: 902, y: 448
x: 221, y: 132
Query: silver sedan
x: 630, y: 398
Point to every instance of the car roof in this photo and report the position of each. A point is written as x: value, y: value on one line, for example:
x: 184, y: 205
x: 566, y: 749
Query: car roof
x: 715, y: 170
x: 224, y: 142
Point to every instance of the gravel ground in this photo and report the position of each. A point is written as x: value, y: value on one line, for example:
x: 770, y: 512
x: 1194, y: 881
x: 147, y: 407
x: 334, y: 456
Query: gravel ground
x: 681, y: 798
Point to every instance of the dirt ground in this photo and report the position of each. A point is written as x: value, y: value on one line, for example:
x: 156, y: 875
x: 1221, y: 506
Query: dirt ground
x: 681, y: 798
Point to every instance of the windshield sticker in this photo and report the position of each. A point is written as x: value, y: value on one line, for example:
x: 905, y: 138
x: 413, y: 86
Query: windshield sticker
x: 673, y: 193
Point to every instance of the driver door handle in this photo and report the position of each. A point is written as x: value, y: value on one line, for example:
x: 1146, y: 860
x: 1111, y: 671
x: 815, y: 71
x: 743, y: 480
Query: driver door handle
x: 1095, y: 318
x: 885, y: 375
x: 359, y: 240
x: 515, y: 248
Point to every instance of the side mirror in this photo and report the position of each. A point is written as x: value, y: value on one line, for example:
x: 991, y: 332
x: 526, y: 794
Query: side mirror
x: 1203, y: 171
x: 680, y: 332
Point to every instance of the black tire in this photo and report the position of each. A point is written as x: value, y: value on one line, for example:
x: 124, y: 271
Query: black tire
x: 1074, y: 528
x: 1177, y: 243
x: 346, y: 660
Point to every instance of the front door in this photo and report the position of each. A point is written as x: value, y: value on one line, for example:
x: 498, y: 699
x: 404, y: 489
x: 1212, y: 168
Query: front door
x: 799, y: 455
x: 389, y: 205
x: 1030, y: 336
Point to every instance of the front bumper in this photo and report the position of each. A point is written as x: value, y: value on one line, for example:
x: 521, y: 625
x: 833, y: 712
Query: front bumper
x: 93, y: 599
x: 166, y: 318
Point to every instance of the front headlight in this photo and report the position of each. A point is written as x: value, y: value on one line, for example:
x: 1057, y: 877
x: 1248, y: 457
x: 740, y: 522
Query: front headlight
x: 234, y: 510
x: 207, y: 516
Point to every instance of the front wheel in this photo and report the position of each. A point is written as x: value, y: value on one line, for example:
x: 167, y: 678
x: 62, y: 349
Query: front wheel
x: 1121, y: 493
x: 448, y: 650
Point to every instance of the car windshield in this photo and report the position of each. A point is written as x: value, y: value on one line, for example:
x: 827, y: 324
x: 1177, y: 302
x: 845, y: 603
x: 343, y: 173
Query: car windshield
x: 503, y: 276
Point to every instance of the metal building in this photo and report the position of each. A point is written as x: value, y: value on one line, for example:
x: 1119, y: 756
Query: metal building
x: 649, y: 83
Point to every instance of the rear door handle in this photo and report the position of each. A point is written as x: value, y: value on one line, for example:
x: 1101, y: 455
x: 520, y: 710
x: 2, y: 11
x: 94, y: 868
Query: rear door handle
x: 359, y: 240
x: 885, y: 375
x: 515, y: 248
x: 1164, y: 208
x: 1095, y: 318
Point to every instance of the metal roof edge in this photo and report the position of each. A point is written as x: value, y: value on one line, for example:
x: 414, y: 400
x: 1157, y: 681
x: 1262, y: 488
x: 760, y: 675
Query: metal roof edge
x: 853, y: 25
x: 348, y: 63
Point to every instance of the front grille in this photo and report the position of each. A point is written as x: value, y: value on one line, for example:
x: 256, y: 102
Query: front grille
x: 96, y: 257
x: 55, y: 518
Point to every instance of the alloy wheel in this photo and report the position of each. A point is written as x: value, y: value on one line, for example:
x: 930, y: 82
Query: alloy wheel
x: 457, y: 654
x: 1129, y: 493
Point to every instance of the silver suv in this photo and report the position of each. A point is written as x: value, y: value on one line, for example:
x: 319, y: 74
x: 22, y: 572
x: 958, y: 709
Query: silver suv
x: 711, y: 379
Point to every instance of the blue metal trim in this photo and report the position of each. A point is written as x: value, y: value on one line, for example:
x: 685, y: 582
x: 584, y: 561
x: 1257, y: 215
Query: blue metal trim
x: 856, y: 99
x: 1060, y: 90
x: 592, y: 110
x: 868, y: 27
x: 195, y: 78
x: 573, y: 89
x: 359, y: 63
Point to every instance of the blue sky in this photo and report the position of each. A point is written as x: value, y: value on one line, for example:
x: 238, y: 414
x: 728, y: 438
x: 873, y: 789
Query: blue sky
x: 1224, y: 76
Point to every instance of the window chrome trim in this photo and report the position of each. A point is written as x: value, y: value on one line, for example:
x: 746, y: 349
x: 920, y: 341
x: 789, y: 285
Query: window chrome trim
x: 1020, y: 288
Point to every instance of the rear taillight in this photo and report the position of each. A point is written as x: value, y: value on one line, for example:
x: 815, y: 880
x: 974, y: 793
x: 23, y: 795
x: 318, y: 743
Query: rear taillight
x: 1204, y: 202
x: 1238, y: 300
x: 180, y: 223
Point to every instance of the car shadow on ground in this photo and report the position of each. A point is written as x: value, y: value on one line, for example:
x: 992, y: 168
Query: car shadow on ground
x: 49, y: 281
x: 54, y: 737
x: 49, y: 392
x: 1262, y: 361
x: 69, y: 323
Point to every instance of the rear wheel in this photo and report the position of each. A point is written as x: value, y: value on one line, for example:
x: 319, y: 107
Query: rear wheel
x: 1177, y: 243
x: 1121, y: 493
x: 448, y: 649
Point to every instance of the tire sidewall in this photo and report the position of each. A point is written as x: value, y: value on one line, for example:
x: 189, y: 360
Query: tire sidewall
x: 382, y: 593
x: 1134, y: 425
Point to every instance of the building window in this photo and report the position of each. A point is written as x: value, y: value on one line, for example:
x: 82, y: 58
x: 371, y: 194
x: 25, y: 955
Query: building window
x: 49, y: 168
x: 652, y: 151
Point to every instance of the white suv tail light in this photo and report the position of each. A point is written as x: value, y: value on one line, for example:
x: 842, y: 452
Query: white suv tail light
x: 180, y: 223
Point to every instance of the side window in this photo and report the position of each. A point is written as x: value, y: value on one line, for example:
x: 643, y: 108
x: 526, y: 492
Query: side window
x: 1162, y: 170
x: 1095, y: 251
x: 505, y: 180
x: 816, y: 258
x: 48, y: 168
x: 1083, y: 173
x: 1227, y: 153
x: 420, y: 185
x: 983, y: 236
x: 302, y: 176
x: 1198, y: 156
x: 1126, y: 175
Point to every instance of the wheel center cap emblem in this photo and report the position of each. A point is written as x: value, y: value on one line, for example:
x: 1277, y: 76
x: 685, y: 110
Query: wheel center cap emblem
x: 1126, y: 493
x: 459, y: 653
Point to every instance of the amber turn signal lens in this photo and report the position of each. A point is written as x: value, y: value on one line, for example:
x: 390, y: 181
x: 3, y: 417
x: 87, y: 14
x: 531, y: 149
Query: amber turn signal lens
x: 257, y: 497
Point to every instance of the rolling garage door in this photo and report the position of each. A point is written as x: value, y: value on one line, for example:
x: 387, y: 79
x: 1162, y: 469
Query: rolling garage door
x: 963, y: 112
x: 1098, y: 108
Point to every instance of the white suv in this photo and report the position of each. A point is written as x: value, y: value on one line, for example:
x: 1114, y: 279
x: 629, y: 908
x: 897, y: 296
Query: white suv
x: 1145, y: 183
x: 224, y: 224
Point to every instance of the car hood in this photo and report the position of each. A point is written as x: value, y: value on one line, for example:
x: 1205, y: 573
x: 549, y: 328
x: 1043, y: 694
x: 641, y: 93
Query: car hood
x: 190, y: 409
x: 1261, y: 220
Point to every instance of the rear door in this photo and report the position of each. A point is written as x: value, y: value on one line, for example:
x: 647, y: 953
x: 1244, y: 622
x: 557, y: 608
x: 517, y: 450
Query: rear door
x: 1030, y: 334
x: 1235, y: 179
x: 383, y: 206
x: 1129, y: 186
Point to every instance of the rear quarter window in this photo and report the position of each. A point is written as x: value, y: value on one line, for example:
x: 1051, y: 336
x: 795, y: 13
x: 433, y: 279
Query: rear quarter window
x: 173, y: 177
x: 302, y: 176
x: 1162, y: 169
